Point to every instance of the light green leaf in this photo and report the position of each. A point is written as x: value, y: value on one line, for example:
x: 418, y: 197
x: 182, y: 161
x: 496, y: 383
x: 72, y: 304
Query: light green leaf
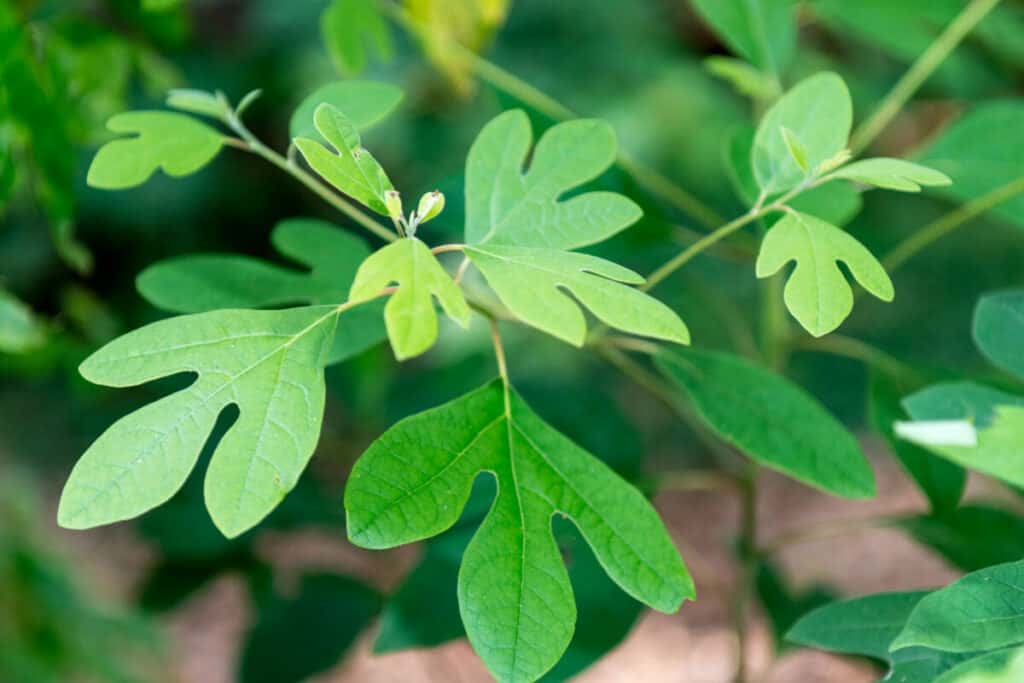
x: 514, y: 594
x: 267, y: 363
x: 350, y: 168
x: 364, y: 103
x: 20, y: 329
x: 746, y: 79
x: 999, y: 329
x: 999, y: 666
x: 981, y: 152
x: 409, y: 314
x: 506, y: 207
x: 857, y: 626
x: 770, y: 419
x: 982, y: 611
x: 816, y: 293
x: 197, y: 102
x: 893, y: 174
x: 971, y: 537
x: 762, y: 31
x: 172, y: 142
x: 796, y: 148
x: 530, y: 283
x: 206, y: 282
x: 818, y: 111
x: 350, y: 29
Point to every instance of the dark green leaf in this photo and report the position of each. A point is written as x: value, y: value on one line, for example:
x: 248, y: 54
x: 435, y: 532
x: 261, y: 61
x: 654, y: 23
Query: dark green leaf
x: 999, y: 329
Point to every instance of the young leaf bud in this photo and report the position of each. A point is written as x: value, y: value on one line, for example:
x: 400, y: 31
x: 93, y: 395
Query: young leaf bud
x: 393, y: 203
x: 431, y: 204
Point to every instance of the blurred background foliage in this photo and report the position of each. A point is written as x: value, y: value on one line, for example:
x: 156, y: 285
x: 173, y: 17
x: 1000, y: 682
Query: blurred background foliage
x: 69, y: 256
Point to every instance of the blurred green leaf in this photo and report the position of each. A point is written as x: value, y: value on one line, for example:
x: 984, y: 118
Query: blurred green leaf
x: 999, y: 330
x: 971, y: 537
x: 364, y: 103
x: 197, y: 102
x: 20, y: 329
x: 761, y: 31
x: 784, y: 606
x: 746, y: 79
x: 1000, y: 666
x: 350, y: 29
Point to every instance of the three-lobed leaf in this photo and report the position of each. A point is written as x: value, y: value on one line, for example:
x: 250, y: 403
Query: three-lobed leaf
x: 350, y: 168
x: 409, y: 313
x: 267, y: 363
x: 163, y: 140
x: 817, y: 293
x: 770, y: 419
x: 506, y: 207
x: 514, y: 594
x: 529, y: 282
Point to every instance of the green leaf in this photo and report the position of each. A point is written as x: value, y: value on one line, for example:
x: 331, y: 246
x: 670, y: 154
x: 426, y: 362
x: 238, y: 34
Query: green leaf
x: 206, y: 282
x: 796, y: 148
x: 168, y: 141
x: 941, y: 481
x: 530, y: 282
x: 982, y: 611
x: 816, y: 293
x: 364, y: 103
x: 20, y: 329
x: 999, y: 666
x: 971, y: 537
x: 514, y: 594
x: 893, y: 174
x: 999, y: 329
x: 297, y: 637
x: 743, y: 77
x: 762, y: 31
x: 350, y: 29
x: 981, y: 152
x: 268, y: 363
x: 197, y: 102
x: 770, y: 419
x: 857, y: 626
x: 409, y: 314
x: 782, y: 605
x: 818, y: 112
x: 506, y: 207
x: 350, y: 168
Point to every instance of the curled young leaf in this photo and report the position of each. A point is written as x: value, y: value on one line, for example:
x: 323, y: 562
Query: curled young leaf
x: 816, y: 293
x: 893, y: 174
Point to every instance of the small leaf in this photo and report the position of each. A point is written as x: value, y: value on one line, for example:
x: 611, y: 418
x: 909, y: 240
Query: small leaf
x: 530, y: 282
x: 20, y: 329
x: 350, y: 168
x: 982, y: 611
x: 364, y: 103
x: 762, y: 31
x: 818, y: 112
x: 268, y: 363
x: 816, y: 293
x: 206, y: 282
x: 409, y: 313
x: 175, y: 143
x: 795, y: 147
x: 772, y: 420
x: 893, y: 174
x: 744, y: 78
x: 514, y: 594
x: 197, y: 102
x: 999, y: 330
x: 858, y: 626
x: 971, y: 537
x: 506, y: 207
x: 350, y: 29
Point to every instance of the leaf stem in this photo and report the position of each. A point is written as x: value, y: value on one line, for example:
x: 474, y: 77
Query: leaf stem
x: 919, y: 71
x: 499, y: 350
x: 849, y: 347
x: 447, y: 247
x: 743, y: 592
x: 941, y: 227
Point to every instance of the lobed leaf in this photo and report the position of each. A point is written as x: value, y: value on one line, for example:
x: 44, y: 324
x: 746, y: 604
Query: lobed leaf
x: 529, y: 282
x: 350, y: 168
x: 506, y: 207
x: 819, y: 113
x: 816, y: 293
x: 770, y: 419
x: 999, y: 329
x: 893, y: 174
x: 514, y: 594
x: 267, y: 363
x: 409, y: 313
x: 364, y: 103
x: 168, y: 141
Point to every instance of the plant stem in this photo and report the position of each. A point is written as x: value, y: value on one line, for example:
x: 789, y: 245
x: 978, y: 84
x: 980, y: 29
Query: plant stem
x: 499, y: 350
x: 254, y: 145
x: 842, y: 345
x: 743, y: 592
x: 941, y: 227
x: 919, y: 72
x: 645, y: 176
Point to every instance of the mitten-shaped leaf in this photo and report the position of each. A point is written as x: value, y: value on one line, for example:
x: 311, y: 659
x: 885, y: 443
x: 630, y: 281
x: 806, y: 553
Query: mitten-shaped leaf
x: 772, y: 420
x: 818, y: 112
x: 893, y: 174
x: 176, y: 143
x: 350, y: 168
x: 268, y: 363
x: 529, y: 282
x: 507, y: 207
x: 409, y: 314
x: 514, y: 594
x: 816, y: 293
